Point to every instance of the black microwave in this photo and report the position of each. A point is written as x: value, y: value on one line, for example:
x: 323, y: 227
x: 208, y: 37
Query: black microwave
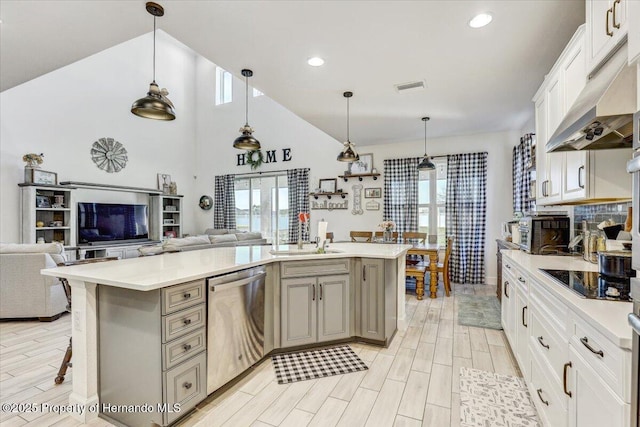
x: 544, y: 235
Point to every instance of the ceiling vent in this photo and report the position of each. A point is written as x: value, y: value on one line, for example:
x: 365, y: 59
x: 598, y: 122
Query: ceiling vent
x: 411, y: 86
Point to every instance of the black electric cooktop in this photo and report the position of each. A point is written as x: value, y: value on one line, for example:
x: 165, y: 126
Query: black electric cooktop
x: 592, y: 285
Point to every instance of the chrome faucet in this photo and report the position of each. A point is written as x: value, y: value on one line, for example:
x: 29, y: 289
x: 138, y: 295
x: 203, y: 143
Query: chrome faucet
x: 324, y: 245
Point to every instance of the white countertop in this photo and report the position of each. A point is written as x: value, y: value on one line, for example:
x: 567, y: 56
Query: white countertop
x: 608, y: 317
x: 154, y: 272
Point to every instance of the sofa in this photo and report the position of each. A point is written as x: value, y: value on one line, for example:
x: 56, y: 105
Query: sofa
x: 24, y: 292
x: 212, y: 238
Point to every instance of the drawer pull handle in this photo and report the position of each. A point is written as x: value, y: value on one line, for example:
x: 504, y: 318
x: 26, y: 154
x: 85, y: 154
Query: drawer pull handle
x: 521, y: 280
x: 187, y: 295
x: 523, y: 316
x: 615, y: 24
x: 320, y: 296
x: 542, y: 342
x: 564, y: 378
x: 506, y: 289
x: 186, y: 347
x: 313, y: 298
x: 609, y: 32
x: 187, y: 385
x: 187, y: 321
x: 546, y: 402
x: 585, y: 342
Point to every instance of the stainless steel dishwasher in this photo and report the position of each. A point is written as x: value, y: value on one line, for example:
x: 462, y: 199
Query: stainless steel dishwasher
x: 235, y: 337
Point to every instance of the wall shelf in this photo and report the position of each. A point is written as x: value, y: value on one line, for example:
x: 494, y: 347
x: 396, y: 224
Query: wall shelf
x: 360, y: 176
x: 328, y: 195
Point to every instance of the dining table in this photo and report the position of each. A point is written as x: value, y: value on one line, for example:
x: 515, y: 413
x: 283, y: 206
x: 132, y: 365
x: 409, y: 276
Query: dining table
x: 429, y: 250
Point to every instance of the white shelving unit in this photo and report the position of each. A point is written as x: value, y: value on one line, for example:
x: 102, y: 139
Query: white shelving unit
x: 165, y: 216
x: 37, y: 204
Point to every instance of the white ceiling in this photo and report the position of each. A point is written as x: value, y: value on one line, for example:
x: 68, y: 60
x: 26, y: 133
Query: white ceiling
x: 478, y: 80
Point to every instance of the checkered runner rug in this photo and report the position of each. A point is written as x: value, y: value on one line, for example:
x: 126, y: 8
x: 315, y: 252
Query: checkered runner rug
x: 306, y: 365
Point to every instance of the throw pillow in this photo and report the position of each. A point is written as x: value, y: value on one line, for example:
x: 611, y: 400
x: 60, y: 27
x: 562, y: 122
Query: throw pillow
x: 216, y: 231
x: 249, y: 236
x: 224, y: 238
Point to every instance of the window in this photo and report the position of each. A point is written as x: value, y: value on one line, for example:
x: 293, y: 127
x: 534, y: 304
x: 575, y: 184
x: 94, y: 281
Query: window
x: 224, y: 86
x: 432, y: 195
x: 262, y: 204
x: 256, y: 92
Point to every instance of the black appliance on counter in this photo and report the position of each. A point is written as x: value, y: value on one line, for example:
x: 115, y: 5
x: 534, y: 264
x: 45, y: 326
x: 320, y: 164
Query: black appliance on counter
x: 592, y: 285
x: 545, y: 234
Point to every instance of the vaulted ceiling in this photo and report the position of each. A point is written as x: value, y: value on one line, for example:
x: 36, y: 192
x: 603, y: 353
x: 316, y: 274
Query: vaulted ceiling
x: 477, y: 80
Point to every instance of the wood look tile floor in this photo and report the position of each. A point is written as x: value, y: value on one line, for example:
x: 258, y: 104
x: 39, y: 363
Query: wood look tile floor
x: 413, y: 382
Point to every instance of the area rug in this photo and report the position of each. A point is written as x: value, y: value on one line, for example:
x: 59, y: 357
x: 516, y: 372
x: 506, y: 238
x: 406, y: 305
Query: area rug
x: 479, y: 310
x: 496, y: 400
x: 306, y: 365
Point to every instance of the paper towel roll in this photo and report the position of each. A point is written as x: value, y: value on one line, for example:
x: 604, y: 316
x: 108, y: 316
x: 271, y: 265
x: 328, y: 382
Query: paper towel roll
x: 322, y: 232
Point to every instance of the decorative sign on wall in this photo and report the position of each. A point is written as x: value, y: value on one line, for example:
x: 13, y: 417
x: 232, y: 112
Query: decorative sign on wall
x: 256, y: 158
x: 372, y: 205
x: 329, y: 204
x: 357, y: 200
x: 109, y: 155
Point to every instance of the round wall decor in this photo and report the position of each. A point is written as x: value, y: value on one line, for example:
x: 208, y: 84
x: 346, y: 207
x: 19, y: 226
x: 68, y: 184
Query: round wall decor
x: 206, y: 202
x: 109, y: 155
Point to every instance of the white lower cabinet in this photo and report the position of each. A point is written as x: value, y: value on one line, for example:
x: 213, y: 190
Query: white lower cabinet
x: 575, y: 375
x: 592, y: 402
x: 314, y: 309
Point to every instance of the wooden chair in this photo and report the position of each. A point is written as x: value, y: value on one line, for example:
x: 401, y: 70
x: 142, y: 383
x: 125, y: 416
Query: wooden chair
x: 417, y: 271
x: 330, y: 236
x: 394, y: 235
x: 66, y: 360
x: 444, y: 266
x: 361, y: 236
x: 409, y: 237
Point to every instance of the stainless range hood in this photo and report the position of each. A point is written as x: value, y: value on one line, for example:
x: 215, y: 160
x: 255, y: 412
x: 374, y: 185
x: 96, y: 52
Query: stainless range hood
x: 602, y: 115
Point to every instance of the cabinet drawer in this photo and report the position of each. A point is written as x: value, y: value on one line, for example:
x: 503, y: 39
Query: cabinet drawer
x: 548, y: 343
x: 183, y: 348
x: 314, y: 267
x: 182, y: 296
x: 551, y: 405
x: 555, y: 311
x: 185, y: 385
x: 181, y: 323
x: 612, y: 363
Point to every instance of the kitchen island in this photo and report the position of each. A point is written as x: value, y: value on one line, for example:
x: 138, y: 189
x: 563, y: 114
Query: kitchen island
x: 148, y: 274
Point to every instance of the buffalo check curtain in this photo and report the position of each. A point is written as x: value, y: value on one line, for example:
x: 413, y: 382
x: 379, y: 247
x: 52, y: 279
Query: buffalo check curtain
x: 401, y: 193
x: 522, y: 161
x: 298, y: 183
x: 224, y: 211
x: 466, y: 207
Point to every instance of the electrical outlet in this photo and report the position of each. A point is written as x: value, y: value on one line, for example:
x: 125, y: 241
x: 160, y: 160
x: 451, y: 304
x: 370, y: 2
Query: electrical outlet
x: 76, y: 321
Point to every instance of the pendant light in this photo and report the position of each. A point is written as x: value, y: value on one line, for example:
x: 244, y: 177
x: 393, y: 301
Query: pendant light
x: 348, y: 154
x: 246, y: 141
x: 155, y: 105
x: 426, y: 163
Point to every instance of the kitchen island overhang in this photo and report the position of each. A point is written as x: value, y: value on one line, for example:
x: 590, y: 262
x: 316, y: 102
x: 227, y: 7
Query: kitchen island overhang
x: 161, y: 271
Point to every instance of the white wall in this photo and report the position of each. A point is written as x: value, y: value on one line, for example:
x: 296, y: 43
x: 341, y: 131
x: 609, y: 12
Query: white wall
x: 62, y: 113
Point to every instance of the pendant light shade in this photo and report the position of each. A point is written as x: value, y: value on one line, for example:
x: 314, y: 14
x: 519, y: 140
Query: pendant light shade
x: 348, y: 153
x: 426, y: 163
x: 246, y: 141
x: 155, y: 105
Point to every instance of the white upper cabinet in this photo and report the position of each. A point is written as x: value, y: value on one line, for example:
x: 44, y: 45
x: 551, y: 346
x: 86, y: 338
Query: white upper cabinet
x: 633, y: 18
x: 606, y: 28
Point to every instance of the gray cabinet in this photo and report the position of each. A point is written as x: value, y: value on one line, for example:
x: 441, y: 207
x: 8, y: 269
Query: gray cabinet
x: 152, y: 351
x: 314, y: 304
x: 372, y: 298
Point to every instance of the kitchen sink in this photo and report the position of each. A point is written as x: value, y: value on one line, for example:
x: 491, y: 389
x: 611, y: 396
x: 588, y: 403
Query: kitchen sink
x: 305, y: 251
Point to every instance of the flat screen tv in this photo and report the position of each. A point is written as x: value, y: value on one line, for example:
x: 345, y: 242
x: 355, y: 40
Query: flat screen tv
x: 112, y: 223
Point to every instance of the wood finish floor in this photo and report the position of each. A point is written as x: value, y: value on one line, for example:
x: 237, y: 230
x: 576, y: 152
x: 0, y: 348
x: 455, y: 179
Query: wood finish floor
x: 413, y: 382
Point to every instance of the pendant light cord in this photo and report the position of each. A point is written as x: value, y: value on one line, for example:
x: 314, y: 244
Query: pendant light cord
x: 154, y: 48
x: 246, y: 100
x: 425, y: 137
x: 348, y: 140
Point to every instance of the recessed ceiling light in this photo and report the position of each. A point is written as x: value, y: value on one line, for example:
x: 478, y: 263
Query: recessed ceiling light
x: 316, y: 61
x: 480, y: 20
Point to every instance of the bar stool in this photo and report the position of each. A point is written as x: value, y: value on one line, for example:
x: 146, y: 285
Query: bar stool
x: 417, y: 271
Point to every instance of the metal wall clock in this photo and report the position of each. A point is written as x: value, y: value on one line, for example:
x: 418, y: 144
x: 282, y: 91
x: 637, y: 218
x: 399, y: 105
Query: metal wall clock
x: 109, y: 155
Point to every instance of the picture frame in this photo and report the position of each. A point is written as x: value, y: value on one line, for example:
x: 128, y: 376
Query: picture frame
x: 372, y: 205
x: 43, y: 202
x: 362, y: 166
x: 39, y: 176
x: 168, y: 221
x: 372, y: 193
x: 328, y: 185
x: 164, y: 179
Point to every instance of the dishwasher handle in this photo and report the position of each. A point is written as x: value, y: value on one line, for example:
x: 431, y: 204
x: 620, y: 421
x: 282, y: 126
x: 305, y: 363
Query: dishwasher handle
x: 237, y: 283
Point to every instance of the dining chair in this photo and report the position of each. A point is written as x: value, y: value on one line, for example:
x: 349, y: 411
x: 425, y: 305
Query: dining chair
x: 330, y: 236
x: 444, y: 266
x: 394, y: 235
x: 414, y: 236
x: 361, y: 236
